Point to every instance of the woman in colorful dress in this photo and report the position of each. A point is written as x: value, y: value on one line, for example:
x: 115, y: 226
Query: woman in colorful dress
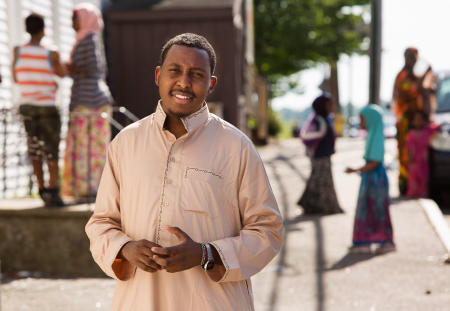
x: 372, y: 223
x: 319, y: 196
x: 89, y: 130
x: 413, y: 91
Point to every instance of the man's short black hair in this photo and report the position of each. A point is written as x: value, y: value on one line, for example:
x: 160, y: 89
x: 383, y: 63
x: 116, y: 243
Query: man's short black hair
x: 34, y: 23
x: 191, y: 40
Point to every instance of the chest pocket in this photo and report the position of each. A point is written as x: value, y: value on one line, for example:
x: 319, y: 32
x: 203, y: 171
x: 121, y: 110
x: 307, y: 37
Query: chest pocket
x: 202, y: 191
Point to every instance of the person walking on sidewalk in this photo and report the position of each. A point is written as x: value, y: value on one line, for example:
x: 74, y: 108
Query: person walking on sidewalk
x: 34, y: 68
x: 372, y: 224
x: 319, y: 196
x: 89, y: 132
x: 185, y: 214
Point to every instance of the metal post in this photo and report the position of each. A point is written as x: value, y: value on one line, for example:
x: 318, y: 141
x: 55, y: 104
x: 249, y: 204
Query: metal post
x: 375, y: 52
x: 89, y: 177
x: 4, y: 157
x: 72, y: 128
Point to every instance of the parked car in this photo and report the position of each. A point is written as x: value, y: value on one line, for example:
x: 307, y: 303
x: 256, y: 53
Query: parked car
x: 351, y: 128
x: 440, y: 146
x: 390, y: 130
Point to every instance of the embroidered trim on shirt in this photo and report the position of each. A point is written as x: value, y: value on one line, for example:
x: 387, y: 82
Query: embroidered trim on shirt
x: 161, y: 204
x: 201, y: 170
x: 195, y: 113
x: 186, y: 120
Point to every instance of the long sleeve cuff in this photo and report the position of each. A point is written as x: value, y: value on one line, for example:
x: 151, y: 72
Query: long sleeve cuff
x: 117, y: 269
x: 229, y: 259
x: 245, y: 255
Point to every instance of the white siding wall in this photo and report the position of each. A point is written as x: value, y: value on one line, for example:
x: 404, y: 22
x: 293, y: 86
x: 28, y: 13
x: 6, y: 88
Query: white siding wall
x: 5, y: 55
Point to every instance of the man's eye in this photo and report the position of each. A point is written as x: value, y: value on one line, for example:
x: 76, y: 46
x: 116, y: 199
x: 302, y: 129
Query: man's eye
x: 197, y: 75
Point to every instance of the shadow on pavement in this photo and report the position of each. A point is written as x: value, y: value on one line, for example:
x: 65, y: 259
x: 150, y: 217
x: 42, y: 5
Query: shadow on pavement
x: 287, y: 161
x: 288, y: 224
x: 400, y: 199
x: 282, y: 256
x: 320, y: 261
x: 349, y: 260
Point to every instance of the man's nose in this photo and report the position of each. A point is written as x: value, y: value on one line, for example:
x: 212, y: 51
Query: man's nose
x: 184, y: 80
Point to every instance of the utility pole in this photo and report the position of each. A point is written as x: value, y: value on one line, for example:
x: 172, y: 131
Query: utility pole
x: 375, y: 52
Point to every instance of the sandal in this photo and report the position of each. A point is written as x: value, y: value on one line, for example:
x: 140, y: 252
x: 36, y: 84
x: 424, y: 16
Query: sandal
x: 359, y: 249
x: 386, y: 248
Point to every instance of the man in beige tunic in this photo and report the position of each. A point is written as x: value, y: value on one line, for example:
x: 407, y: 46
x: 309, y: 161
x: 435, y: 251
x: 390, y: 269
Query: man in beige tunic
x: 184, y: 214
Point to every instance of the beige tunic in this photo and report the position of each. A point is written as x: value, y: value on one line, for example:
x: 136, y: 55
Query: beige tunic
x: 210, y: 183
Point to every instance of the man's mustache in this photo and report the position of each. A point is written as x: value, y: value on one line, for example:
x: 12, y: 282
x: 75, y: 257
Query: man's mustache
x: 184, y: 92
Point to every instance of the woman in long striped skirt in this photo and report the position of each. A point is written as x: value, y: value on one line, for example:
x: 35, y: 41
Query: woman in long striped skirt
x: 90, y: 106
x: 319, y: 196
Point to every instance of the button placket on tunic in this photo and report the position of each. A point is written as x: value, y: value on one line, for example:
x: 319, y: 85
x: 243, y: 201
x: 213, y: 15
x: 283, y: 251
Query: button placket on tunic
x: 168, y: 197
x: 163, y: 204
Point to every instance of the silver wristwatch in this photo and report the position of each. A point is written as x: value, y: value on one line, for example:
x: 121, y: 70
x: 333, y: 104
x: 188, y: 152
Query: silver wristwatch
x: 209, y: 264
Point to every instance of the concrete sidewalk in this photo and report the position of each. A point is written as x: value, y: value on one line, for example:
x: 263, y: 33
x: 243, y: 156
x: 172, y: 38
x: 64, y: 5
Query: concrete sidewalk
x: 313, y: 271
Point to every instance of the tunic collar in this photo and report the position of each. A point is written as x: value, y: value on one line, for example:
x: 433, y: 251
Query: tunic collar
x: 191, y: 122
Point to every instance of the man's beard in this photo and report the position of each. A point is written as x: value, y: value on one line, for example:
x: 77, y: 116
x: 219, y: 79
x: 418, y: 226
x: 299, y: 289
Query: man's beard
x: 178, y: 115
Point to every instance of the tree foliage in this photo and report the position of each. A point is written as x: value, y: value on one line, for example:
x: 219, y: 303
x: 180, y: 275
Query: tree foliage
x: 294, y: 34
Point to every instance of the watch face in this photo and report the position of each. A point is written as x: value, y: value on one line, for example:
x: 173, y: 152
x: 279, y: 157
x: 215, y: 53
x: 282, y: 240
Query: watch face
x: 208, y: 265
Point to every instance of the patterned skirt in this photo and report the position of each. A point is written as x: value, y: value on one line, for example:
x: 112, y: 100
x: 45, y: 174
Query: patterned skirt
x: 319, y: 196
x: 85, y: 155
x: 372, y: 219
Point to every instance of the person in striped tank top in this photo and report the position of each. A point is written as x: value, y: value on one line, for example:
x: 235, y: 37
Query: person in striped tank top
x: 34, y: 69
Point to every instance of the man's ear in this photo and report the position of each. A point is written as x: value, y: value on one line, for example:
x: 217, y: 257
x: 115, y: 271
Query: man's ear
x: 157, y: 72
x: 212, y: 84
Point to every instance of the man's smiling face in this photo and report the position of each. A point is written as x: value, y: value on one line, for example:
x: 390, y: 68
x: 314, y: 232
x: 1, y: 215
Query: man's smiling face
x: 184, y: 80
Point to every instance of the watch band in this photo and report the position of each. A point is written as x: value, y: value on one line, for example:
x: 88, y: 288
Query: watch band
x: 209, y: 264
x: 203, y: 260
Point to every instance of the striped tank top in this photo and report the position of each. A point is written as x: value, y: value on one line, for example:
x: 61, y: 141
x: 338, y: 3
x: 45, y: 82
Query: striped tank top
x: 35, y: 76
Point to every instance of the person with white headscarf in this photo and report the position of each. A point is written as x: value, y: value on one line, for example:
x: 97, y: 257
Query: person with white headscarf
x: 88, y: 133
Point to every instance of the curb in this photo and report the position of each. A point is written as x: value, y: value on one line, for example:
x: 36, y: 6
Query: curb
x: 437, y: 221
